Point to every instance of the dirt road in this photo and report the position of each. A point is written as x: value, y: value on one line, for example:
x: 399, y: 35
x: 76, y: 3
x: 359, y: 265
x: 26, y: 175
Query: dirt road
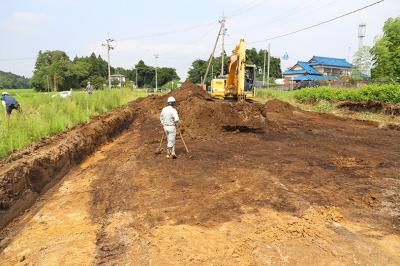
x: 265, y: 185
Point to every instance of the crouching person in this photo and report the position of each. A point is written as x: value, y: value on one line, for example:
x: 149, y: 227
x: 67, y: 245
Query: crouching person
x: 9, y: 103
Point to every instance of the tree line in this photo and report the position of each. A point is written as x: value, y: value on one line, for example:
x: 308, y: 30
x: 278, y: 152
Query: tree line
x: 55, y: 71
x: 253, y: 56
x: 9, y: 80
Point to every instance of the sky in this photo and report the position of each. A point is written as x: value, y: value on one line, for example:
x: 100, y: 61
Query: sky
x: 181, y: 31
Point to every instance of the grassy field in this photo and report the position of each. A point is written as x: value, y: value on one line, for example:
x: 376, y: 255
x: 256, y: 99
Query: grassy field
x: 44, y: 115
x: 324, y: 99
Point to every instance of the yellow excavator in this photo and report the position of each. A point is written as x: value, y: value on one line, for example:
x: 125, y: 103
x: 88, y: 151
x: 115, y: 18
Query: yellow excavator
x: 239, y: 83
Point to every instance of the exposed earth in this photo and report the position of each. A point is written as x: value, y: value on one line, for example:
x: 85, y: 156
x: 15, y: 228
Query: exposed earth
x: 263, y: 184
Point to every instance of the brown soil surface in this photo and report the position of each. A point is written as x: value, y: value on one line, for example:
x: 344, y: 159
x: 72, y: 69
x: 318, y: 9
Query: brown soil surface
x: 371, y: 106
x: 263, y: 185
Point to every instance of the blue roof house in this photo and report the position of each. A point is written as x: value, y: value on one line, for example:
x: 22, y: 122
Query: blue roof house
x: 318, y: 68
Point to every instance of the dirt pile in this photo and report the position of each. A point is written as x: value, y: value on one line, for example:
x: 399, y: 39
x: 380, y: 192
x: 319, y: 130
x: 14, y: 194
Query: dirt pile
x: 204, y: 117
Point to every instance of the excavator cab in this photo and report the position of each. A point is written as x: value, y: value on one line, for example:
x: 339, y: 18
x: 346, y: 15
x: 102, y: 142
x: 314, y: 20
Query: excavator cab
x: 249, y: 81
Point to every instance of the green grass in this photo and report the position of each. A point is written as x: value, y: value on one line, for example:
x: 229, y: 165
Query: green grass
x: 265, y: 94
x: 387, y: 93
x: 44, y: 115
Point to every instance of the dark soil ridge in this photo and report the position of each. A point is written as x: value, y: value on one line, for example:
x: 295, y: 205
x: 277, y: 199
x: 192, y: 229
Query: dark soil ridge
x: 371, y: 106
x: 28, y: 173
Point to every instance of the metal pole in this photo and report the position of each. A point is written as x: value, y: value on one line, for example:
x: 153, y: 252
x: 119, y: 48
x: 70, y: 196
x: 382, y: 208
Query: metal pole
x: 109, y: 47
x: 265, y: 56
x: 269, y: 63
x: 156, y: 57
x: 137, y: 86
x: 223, y: 48
x: 211, y: 57
x: 109, y: 68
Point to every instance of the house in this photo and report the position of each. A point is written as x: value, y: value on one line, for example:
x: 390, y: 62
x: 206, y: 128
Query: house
x: 318, y: 68
x: 119, y: 78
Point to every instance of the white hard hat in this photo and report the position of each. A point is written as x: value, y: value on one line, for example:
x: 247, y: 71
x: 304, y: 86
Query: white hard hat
x: 171, y: 99
x: 4, y: 93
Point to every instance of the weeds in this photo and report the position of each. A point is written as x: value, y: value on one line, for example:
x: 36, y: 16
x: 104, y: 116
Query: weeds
x: 45, y: 115
x: 387, y: 93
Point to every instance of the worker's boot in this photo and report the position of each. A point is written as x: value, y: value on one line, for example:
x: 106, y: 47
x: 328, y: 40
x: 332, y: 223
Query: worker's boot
x: 169, y: 155
x: 173, y: 152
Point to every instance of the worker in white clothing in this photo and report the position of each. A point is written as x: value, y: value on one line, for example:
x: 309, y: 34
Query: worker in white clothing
x: 169, y: 119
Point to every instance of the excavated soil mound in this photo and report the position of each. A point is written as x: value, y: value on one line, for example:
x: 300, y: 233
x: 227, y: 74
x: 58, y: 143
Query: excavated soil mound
x: 204, y: 117
x: 277, y: 106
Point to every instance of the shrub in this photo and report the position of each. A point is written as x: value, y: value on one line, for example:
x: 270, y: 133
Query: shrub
x: 388, y: 93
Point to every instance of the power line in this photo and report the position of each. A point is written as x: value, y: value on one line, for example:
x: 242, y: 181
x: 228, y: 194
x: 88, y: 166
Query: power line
x: 243, y: 10
x: 159, y: 34
x: 186, y: 29
x: 318, y: 24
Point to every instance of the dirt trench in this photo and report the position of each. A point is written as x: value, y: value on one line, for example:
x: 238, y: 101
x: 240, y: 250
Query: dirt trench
x: 263, y: 185
x: 27, y: 173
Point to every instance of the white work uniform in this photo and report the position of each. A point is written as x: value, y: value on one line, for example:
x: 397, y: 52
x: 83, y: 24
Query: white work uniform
x: 169, y: 118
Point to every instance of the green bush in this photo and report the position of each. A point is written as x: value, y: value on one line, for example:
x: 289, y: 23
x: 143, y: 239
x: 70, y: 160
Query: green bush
x: 388, y: 93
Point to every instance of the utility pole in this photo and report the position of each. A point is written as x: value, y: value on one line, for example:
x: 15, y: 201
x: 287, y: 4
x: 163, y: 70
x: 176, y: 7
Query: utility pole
x: 269, y: 63
x: 361, y: 34
x: 223, y: 32
x: 109, y: 47
x: 156, y: 56
x: 136, y: 77
x: 265, y: 59
x: 211, y: 57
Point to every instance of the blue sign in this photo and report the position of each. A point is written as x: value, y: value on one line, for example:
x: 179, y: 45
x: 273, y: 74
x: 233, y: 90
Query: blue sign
x: 285, y: 56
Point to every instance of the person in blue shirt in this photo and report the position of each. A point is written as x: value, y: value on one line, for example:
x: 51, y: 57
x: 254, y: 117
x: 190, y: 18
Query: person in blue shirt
x: 9, y: 103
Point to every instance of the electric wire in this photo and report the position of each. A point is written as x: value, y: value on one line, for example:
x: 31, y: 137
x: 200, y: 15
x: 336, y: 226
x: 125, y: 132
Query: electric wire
x: 318, y: 24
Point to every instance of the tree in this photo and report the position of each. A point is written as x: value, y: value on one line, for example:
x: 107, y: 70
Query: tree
x: 147, y: 75
x: 95, y: 70
x: 199, y: 67
x: 257, y: 58
x: 362, y: 61
x: 386, y: 53
x: 53, y: 70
